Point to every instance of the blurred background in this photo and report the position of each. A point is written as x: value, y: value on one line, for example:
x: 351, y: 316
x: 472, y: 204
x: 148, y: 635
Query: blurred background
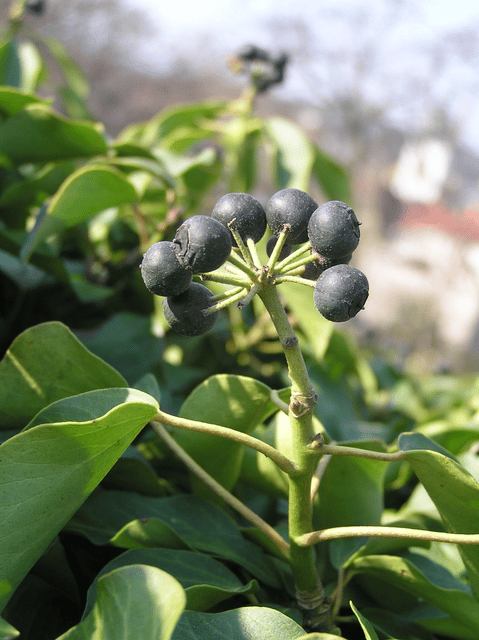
x: 390, y: 89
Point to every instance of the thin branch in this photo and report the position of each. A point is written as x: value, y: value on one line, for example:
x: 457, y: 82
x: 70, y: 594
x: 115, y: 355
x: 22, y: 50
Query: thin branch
x: 278, y: 541
x: 296, y: 255
x: 276, y: 400
x: 296, y: 279
x: 335, y: 533
x: 282, y: 461
x: 319, y: 446
x: 250, y: 243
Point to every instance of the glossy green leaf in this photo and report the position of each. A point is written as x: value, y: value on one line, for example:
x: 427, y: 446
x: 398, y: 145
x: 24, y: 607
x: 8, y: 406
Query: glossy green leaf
x: 403, y: 574
x: 331, y: 176
x: 366, y: 626
x: 49, y: 470
x: 351, y: 490
x: 236, y: 402
x: 85, y: 193
x: 45, y: 363
x: 206, y: 581
x: 198, y: 524
x: 454, y: 492
x: 247, y: 623
x: 294, y: 153
x: 132, y: 602
x: 38, y: 134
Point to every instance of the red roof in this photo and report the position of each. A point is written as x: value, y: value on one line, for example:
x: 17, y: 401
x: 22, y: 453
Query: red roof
x: 460, y: 224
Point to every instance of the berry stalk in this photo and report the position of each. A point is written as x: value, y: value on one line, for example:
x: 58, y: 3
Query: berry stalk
x: 309, y: 590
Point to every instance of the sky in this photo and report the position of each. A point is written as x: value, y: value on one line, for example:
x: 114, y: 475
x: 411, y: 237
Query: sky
x: 188, y: 28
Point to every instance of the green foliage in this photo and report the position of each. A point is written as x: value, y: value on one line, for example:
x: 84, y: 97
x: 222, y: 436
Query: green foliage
x: 105, y: 533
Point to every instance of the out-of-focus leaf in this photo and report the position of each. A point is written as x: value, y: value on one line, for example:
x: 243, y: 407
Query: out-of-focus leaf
x: 10, y: 67
x: 13, y: 100
x: 86, y: 192
x: 366, y: 626
x: 38, y: 134
x: 294, y: 153
x: 43, y: 364
x: 331, y: 176
x: 7, y: 632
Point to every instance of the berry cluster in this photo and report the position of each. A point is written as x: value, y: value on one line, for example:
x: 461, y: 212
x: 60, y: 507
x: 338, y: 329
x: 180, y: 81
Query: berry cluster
x: 327, y: 235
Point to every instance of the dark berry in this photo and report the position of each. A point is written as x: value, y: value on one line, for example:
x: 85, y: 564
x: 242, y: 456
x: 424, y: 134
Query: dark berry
x: 162, y: 272
x: 333, y: 230
x: 184, y: 312
x: 36, y: 7
x: 341, y: 292
x: 246, y: 212
x: 292, y: 207
x: 285, y: 250
x: 203, y: 244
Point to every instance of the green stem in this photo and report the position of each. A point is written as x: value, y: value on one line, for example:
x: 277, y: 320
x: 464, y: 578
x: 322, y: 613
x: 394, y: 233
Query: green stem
x: 237, y: 436
x: 335, y: 533
x: 309, y: 590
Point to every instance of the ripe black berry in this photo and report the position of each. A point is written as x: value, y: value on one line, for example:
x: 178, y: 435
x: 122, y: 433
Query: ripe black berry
x: 293, y: 207
x: 341, y: 292
x: 248, y: 215
x: 184, y: 312
x: 203, y: 244
x: 162, y: 272
x: 333, y: 230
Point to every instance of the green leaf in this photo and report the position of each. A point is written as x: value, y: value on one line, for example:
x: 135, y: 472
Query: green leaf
x: 10, y: 68
x: 7, y: 632
x: 366, y: 626
x: 247, y: 623
x: 45, y: 363
x: 403, y: 574
x: 150, y: 133
x: 294, y: 153
x: 133, y: 472
x: 13, y: 100
x: 49, y: 470
x: 359, y: 501
x: 85, y: 193
x: 331, y: 176
x: 206, y: 581
x: 236, y: 402
x: 454, y: 492
x: 132, y: 602
x: 71, y: 71
x: 31, y: 65
x: 38, y: 134
x: 127, y: 343
x: 197, y: 523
